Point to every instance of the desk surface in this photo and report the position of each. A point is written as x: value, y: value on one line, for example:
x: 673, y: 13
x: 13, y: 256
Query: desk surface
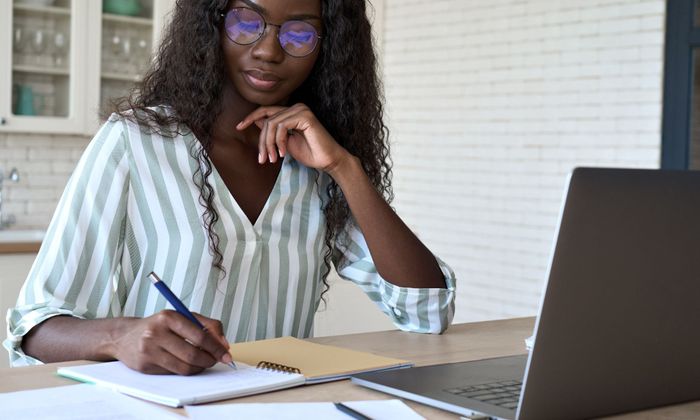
x: 461, y: 342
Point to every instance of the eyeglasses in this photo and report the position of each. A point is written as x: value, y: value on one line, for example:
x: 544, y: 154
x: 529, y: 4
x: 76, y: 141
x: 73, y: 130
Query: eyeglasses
x: 245, y: 26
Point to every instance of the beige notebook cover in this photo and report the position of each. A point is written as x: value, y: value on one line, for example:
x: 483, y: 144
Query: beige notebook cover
x: 317, y: 362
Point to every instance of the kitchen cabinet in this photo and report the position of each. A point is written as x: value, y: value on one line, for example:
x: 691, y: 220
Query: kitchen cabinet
x: 69, y: 57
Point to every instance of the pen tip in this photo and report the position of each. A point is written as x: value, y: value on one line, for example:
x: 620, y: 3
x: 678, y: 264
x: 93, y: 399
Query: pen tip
x: 233, y: 366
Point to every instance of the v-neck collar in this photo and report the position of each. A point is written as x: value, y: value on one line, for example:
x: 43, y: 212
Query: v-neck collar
x: 222, y: 189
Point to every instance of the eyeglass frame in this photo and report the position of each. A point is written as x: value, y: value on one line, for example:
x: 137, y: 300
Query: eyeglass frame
x: 279, y: 27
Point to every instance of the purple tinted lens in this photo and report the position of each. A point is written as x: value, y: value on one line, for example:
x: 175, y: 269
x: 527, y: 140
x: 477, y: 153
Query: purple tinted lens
x: 298, y: 38
x: 244, y: 26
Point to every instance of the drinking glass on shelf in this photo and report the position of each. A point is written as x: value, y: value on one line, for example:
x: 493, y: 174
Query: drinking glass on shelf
x: 60, y: 49
x: 19, y: 39
x: 142, y: 56
x: 38, y: 43
x: 126, y: 52
x: 115, y: 51
x: 115, y: 43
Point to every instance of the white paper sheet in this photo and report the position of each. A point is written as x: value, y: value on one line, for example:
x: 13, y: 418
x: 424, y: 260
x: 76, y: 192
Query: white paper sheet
x: 78, y: 402
x: 375, y: 409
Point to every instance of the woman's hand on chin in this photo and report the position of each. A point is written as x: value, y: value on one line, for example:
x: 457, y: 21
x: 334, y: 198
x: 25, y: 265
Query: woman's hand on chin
x: 297, y: 131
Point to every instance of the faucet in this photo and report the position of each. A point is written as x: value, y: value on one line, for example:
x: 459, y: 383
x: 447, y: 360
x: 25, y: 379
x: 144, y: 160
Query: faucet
x: 10, y: 219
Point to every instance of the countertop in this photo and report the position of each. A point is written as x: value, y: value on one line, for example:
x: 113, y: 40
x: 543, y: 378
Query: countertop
x: 20, y: 241
x: 19, y: 247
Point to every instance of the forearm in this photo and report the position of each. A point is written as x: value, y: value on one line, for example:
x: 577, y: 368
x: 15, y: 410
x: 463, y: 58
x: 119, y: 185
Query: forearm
x: 64, y: 338
x: 400, y: 257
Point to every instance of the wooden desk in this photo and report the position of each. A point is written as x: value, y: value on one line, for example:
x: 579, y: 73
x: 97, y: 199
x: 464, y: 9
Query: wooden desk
x: 461, y: 342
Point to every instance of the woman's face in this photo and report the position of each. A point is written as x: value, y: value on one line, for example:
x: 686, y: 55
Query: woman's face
x: 262, y: 72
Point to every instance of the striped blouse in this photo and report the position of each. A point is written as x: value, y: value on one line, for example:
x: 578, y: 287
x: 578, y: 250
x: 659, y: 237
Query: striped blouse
x: 132, y: 207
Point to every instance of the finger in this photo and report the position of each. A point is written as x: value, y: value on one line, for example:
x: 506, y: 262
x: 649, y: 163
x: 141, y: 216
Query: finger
x: 278, y: 131
x: 262, y: 151
x: 152, y: 369
x: 199, y: 338
x: 270, y: 135
x: 215, y: 328
x: 294, y: 127
x: 173, y: 364
x: 186, y: 352
x: 259, y: 114
x: 282, y: 134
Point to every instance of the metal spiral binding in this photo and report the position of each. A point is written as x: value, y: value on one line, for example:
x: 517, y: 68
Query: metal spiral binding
x: 278, y: 367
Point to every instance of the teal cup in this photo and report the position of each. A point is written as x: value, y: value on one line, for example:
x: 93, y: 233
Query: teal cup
x: 25, y: 101
x: 28, y: 102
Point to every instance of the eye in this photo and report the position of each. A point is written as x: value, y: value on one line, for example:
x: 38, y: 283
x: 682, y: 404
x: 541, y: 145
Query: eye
x: 296, y: 38
x: 249, y: 26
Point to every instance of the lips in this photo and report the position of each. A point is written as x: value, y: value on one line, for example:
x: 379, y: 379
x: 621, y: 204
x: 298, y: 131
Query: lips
x: 261, y: 80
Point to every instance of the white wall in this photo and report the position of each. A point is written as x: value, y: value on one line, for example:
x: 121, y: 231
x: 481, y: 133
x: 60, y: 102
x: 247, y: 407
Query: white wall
x: 491, y: 104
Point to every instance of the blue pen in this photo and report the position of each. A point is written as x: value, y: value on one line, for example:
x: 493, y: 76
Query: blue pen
x: 177, y: 304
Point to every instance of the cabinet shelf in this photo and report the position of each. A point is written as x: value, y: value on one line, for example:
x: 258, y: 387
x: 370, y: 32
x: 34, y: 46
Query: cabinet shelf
x: 51, y: 10
x: 40, y: 70
x: 132, y: 20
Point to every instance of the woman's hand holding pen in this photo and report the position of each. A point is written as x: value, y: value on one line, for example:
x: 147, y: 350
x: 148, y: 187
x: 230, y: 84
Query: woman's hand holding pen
x: 297, y: 131
x: 167, y: 342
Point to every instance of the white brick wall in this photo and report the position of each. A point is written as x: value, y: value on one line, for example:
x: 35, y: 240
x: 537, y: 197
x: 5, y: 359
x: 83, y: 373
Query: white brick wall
x: 491, y: 104
x: 45, y: 163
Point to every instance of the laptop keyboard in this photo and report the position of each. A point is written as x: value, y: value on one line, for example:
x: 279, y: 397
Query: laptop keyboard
x: 503, y: 394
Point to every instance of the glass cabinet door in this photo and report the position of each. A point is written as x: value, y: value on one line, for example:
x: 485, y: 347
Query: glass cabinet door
x: 126, y: 46
x: 41, y: 51
x: 66, y: 60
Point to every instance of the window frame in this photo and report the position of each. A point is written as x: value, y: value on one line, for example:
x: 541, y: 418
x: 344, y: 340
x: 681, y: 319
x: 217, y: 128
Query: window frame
x: 682, y: 37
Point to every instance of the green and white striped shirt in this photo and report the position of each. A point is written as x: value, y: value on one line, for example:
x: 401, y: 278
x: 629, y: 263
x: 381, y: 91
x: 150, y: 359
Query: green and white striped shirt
x: 132, y: 207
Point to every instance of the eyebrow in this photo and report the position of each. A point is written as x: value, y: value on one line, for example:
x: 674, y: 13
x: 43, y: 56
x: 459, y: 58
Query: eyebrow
x: 264, y: 12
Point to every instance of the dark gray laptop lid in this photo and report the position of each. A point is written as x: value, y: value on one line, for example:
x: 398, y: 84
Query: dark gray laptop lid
x: 618, y: 329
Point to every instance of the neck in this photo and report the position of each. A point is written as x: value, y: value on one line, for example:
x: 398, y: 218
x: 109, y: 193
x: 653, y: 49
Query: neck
x: 234, y: 108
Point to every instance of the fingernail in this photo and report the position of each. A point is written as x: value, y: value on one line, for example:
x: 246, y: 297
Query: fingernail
x: 272, y: 157
x: 226, y: 358
x: 261, y: 159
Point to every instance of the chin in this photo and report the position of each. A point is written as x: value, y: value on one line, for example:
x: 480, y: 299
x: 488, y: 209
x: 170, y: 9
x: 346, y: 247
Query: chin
x: 264, y: 98
x: 267, y: 100
x: 277, y: 96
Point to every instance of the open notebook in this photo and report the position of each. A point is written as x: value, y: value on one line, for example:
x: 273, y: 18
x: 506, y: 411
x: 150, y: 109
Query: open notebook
x: 217, y: 383
x: 263, y: 366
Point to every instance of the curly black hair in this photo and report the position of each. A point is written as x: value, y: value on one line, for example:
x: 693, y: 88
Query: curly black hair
x: 343, y: 91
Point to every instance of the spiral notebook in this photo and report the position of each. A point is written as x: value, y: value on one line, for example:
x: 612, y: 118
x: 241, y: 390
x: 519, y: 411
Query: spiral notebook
x: 317, y: 362
x: 263, y: 366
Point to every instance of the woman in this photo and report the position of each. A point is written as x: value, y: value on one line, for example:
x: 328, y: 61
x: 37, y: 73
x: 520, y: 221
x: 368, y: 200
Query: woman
x: 252, y: 156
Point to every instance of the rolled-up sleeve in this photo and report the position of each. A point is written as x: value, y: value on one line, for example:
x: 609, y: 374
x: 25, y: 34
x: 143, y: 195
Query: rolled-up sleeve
x: 76, y: 268
x: 424, y: 310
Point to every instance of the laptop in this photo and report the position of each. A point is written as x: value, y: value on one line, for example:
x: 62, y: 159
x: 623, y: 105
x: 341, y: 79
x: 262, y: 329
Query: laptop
x: 618, y: 324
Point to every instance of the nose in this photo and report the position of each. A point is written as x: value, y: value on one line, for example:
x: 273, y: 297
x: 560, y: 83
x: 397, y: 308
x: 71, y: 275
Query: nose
x: 268, y: 47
